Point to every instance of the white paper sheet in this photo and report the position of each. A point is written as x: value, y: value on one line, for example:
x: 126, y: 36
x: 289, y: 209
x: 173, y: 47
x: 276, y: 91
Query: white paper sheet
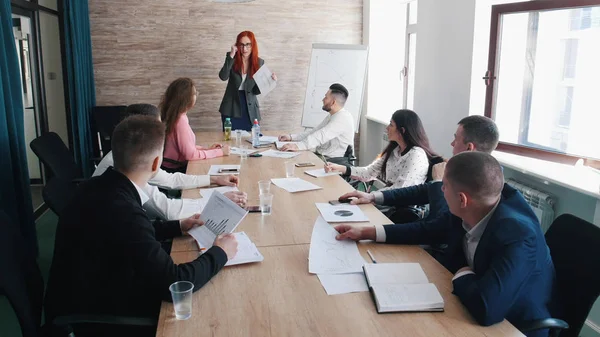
x: 270, y: 139
x: 335, y: 284
x: 319, y: 173
x: 207, y: 192
x: 214, y: 170
x: 263, y: 79
x: 220, y: 215
x: 327, y: 255
x: 279, y: 144
x: 247, y: 251
x: 279, y: 154
x: 295, y: 184
x: 237, y: 151
x: 341, y: 213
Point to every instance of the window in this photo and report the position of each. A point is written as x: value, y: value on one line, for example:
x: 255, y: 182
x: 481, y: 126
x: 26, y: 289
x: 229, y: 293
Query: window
x: 543, y: 89
x: 392, y: 37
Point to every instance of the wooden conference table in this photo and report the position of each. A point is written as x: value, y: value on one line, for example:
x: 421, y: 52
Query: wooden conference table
x: 278, y: 297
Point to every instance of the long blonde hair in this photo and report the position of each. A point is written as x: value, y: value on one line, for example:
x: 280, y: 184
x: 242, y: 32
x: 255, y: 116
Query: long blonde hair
x: 177, y: 99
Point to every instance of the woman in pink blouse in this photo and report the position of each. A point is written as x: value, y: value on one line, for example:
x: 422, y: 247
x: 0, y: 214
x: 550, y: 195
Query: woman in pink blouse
x: 180, y: 143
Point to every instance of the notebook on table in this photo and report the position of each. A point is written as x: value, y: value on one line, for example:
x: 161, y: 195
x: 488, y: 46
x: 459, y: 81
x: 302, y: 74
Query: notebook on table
x: 401, y: 287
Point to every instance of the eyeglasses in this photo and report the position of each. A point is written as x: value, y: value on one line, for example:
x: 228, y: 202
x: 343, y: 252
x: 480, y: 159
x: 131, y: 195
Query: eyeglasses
x: 247, y: 45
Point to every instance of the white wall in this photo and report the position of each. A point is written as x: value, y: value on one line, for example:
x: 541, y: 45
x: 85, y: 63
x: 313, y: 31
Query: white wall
x: 443, y: 69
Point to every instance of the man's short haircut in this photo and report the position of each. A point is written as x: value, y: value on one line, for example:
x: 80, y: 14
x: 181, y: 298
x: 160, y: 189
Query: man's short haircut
x: 481, y: 131
x: 340, y: 92
x: 477, y: 173
x: 136, y: 141
x: 142, y: 109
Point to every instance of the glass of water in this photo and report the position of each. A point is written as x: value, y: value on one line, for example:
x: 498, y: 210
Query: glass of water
x: 181, y: 292
x: 289, y: 169
x: 264, y: 187
x: 266, y: 203
x: 238, y: 138
x: 243, y: 152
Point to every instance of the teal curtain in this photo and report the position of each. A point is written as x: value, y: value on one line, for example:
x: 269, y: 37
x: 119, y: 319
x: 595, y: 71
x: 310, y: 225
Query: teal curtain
x: 15, y: 196
x: 80, y: 74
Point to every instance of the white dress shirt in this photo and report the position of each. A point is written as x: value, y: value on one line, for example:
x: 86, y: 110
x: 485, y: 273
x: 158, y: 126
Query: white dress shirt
x: 331, y: 137
x: 471, y: 241
x: 400, y: 170
x: 156, y: 203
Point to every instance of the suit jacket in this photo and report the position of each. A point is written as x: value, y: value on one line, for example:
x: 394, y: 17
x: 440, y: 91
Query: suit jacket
x: 514, y: 274
x: 230, y: 105
x: 107, y: 257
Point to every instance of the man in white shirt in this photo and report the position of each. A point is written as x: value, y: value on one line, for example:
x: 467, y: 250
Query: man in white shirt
x: 333, y: 135
x: 158, y: 204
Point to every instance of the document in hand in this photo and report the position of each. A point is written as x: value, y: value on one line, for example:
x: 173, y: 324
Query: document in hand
x: 319, y: 173
x: 264, y: 81
x: 247, y: 251
x: 223, y: 170
x: 327, y: 255
x: 279, y: 154
x: 295, y: 184
x: 341, y: 213
x: 401, y: 287
x: 220, y: 215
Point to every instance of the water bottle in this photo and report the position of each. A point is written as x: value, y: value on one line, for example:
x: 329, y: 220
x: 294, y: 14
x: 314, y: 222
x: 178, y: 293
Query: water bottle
x: 227, y: 127
x: 255, y: 133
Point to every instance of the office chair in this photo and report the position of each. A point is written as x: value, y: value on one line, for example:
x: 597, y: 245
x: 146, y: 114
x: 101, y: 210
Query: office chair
x: 55, y: 156
x: 58, y: 193
x: 105, y: 119
x: 22, y: 283
x: 347, y: 159
x: 575, y: 249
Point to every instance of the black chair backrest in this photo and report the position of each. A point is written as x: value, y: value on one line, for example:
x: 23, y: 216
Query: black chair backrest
x: 105, y: 120
x: 55, y: 156
x: 575, y: 248
x: 20, y: 278
x: 432, y: 162
x: 58, y: 193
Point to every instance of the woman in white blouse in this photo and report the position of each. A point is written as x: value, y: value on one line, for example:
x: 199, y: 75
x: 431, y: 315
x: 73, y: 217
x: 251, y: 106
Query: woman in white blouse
x: 404, y: 162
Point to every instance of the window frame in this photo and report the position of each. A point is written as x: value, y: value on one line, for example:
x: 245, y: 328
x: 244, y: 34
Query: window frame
x: 489, y: 77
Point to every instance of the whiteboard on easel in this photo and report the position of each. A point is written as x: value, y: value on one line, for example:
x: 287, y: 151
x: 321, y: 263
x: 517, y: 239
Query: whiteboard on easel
x: 335, y: 63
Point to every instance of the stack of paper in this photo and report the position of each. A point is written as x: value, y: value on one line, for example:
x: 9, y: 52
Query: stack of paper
x: 279, y: 154
x: 319, y: 173
x: 341, y: 213
x: 269, y: 139
x: 238, y: 151
x: 207, y: 192
x: 247, y: 251
x: 338, y: 264
x: 221, y: 170
x: 220, y: 215
x: 295, y: 184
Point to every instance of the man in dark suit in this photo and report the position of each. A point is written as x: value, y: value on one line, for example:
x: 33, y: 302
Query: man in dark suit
x: 496, y: 247
x: 107, y: 257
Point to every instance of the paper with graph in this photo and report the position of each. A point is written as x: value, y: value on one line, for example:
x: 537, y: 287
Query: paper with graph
x: 279, y: 154
x: 263, y: 79
x: 330, y: 256
x: 220, y: 215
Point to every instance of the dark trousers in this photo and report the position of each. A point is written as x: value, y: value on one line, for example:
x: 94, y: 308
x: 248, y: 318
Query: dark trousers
x: 243, y: 122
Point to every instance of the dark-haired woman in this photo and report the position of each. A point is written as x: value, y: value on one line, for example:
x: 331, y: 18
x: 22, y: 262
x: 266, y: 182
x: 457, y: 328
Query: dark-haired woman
x: 404, y: 162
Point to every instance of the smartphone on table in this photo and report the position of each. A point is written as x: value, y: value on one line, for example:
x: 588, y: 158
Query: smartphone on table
x: 253, y: 209
x: 340, y: 201
x: 304, y: 164
x: 228, y: 170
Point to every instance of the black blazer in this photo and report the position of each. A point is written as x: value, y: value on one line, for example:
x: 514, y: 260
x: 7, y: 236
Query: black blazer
x: 230, y: 105
x: 107, y: 257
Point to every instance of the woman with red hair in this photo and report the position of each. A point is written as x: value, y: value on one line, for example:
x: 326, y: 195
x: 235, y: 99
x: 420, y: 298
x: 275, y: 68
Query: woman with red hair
x: 239, y: 101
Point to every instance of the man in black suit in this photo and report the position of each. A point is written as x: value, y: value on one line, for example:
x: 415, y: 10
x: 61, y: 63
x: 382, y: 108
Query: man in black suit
x: 107, y: 257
